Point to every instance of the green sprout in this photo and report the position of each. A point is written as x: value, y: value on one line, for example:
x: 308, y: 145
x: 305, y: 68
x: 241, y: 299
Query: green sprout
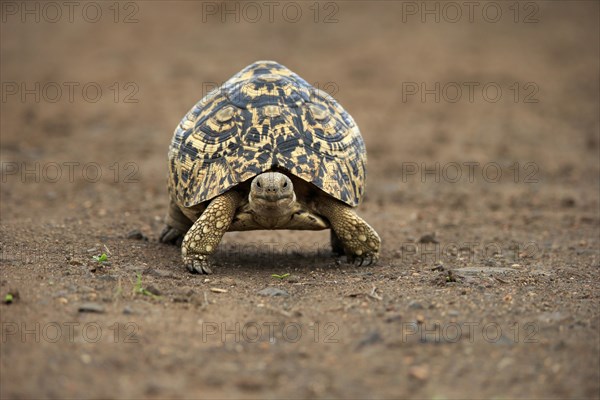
x: 8, y: 298
x: 101, y: 258
x: 139, y: 289
x: 280, y: 276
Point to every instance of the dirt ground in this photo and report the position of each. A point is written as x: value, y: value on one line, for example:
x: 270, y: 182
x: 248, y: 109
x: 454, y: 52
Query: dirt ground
x: 482, y: 130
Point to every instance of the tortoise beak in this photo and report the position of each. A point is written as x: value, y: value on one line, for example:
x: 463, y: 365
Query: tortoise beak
x: 272, y: 197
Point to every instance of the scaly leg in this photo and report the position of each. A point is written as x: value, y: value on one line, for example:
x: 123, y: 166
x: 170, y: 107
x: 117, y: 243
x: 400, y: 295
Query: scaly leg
x: 361, y: 243
x: 205, y: 235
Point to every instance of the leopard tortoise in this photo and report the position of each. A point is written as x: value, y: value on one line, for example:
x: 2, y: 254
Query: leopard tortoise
x: 266, y: 151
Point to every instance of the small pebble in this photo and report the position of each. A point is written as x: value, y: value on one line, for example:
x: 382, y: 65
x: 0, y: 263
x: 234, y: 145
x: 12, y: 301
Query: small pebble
x: 568, y: 202
x: 136, y: 234
x: 419, y: 372
x: 86, y: 358
x: 370, y: 339
x: 415, y: 305
x: 90, y: 307
x: 153, y: 290
x: 393, y: 318
x: 272, y: 291
x: 428, y: 238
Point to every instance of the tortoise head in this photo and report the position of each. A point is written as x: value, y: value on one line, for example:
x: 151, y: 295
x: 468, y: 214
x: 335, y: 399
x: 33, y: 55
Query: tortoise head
x: 271, y: 194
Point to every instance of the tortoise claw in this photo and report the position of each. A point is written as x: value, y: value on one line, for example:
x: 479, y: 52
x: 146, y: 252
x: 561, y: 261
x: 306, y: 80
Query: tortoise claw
x: 363, y: 260
x: 199, y: 266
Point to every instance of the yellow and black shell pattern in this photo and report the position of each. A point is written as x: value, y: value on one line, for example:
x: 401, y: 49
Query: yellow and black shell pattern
x: 266, y: 117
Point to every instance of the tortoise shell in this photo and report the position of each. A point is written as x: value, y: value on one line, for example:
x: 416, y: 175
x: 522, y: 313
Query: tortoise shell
x: 266, y: 117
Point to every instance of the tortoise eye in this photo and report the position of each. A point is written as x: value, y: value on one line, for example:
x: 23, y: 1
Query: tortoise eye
x: 284, y: 183
x: 258, y: 183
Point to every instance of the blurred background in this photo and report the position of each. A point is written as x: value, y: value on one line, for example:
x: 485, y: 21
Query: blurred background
x: 426, y: 82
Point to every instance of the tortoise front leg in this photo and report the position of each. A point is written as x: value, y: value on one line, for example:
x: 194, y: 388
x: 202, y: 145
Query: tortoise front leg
x: 361, y: 243
x: 206, y: 233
